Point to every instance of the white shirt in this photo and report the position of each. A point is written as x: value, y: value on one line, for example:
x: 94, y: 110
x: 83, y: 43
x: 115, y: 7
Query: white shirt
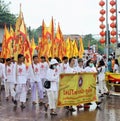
x: 90, y: 69
x: 71, y: 70
x: 101, y: 74
x: 53, y: 77
x: 11, y: 73
x: 79, y: 69
x: 2, y: 71
x: 64, y: 67
x: 116, y: 68
x: 21, y: 74
x: 43, y: 69
x: 36, y: 72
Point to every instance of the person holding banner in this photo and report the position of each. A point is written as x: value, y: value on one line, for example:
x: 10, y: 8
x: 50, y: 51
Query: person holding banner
x: 79, y: 68
x: 71, y: 69
x: 91, y: 68
x: 52, y: 92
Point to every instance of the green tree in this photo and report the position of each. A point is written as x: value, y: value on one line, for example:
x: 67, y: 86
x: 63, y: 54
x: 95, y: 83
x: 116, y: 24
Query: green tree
x: 5, y: 16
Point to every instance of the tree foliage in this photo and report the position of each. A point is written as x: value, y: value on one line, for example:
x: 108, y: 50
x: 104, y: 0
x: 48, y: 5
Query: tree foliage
x: 89, y: 39
x: 5, y: 16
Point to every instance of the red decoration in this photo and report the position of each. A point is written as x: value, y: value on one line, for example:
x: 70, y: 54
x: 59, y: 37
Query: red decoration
x: 102, y: 33
x: 101, y: 3
x: 102, y: 26
x: 113, y: 40
x: 113, y: 25
x: 112, y: 10
x: 102, y: 41
x: 102, y: 11
x: 113, y: 33
x: 113, y: 17
x: 37, y: 48
x: 112, y: 2
x: 102, y: 18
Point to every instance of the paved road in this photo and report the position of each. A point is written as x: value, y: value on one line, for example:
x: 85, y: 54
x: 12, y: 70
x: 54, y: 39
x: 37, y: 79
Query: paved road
x: 109, y: 111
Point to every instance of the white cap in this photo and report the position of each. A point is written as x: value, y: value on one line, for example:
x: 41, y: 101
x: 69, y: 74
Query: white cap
x: 53, y: 61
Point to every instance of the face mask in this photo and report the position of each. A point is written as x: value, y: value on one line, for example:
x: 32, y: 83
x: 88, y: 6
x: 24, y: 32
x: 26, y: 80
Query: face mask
x: 54, y: 66
x: 91, y: 64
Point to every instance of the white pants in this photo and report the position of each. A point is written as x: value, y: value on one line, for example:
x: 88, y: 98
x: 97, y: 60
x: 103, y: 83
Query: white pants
x: 34, y: 87
x: 9, y: 89
x: 21, y: 93
x: 52, y: 98
x: 102, y: 87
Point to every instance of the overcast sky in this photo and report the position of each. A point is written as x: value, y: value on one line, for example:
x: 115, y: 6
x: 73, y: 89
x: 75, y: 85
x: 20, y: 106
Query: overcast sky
x: 74, y: 16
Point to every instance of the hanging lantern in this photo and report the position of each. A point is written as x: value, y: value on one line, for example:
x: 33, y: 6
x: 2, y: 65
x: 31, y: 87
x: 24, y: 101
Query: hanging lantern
x: 102, y: 12
x: 102, y: 26
x: 101, y: 3
x: 113, y: 33
x: 113, y: 25
x: 102, y: 33
x: 112, y: 2
x: 113, y: 18
x: 113, y: 40
x: 112, y: 10
x: 102, y: 18
x: 102, y: 40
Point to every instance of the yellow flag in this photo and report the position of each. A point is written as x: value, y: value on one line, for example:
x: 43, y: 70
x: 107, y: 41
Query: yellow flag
x: 33, y: 46
x: 68, y: 48
x: 75, y: 48
x: 81, y: 50
x: 6, y: 44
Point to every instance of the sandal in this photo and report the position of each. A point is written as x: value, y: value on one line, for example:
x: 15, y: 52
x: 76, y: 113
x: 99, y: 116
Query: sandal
x: 53, y: 113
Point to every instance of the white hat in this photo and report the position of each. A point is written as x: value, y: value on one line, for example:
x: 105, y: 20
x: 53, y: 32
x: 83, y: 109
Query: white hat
x: 53, y: 61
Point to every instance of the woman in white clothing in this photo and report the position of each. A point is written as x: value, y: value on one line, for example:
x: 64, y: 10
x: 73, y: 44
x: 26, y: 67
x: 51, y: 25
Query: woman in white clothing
x: 53, y: 77
x: 116, y: 66
x: 101, y: 78
x: 91, y: 68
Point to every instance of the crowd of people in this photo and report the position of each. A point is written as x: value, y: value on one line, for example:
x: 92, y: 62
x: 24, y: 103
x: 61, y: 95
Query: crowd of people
x: 19, y: 79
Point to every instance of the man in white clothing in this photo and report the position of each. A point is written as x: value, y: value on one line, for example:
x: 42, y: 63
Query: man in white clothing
x: 10, y: 82
x: 37, y: 84
x: 21, y: 73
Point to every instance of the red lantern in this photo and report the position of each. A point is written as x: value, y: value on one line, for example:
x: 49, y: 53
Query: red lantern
x: 102, y: 33
x: 112, y: 10
x: 113, y: 17
x: 113, y: 40
x: 102, y: 41
x: 102, y: 18
x: 102, y: 11
x: 101, y: 3
x: 112, y: 2
x: 113, y: 33
x: 102, y: 26
x: 113, y: 25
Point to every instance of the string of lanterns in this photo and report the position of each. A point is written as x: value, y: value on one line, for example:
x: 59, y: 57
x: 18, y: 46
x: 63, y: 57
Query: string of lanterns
x: 113, y: 21
x: 102, y: 19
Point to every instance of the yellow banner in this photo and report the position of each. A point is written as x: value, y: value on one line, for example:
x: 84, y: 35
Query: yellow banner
x: 75, y: 89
